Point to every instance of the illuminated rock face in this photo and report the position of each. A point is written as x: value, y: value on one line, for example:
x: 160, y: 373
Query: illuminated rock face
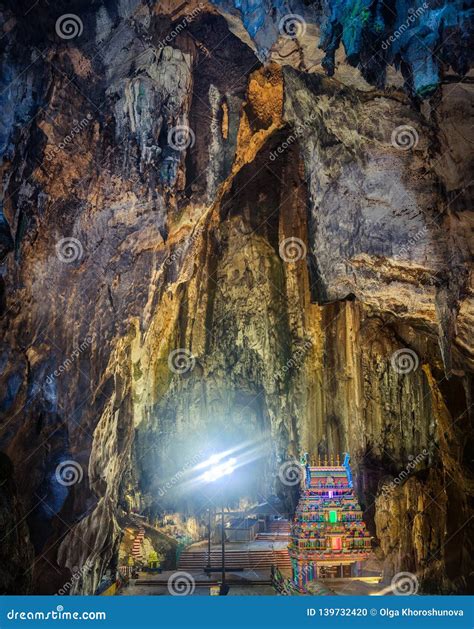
x: 250, y: 278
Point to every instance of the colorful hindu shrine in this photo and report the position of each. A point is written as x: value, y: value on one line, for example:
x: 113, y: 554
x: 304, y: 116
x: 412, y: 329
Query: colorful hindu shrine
x: 328, y: 536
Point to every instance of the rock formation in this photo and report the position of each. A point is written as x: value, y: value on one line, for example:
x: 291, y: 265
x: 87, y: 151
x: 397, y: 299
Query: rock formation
x: 222, y: 225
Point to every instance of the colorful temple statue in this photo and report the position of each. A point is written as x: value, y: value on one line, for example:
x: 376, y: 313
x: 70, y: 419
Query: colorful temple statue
x: 328, y: 536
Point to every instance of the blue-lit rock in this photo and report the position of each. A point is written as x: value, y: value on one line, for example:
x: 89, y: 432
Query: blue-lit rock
x: 415, y: 37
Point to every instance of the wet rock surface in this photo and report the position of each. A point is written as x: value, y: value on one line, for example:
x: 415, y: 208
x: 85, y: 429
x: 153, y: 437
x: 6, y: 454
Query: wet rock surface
x: 203, y: 246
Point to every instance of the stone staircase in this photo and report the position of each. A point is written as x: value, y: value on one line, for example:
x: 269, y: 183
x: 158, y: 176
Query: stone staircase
x: 278, y: 531
x: 137, y: 544
x: 247, y: 559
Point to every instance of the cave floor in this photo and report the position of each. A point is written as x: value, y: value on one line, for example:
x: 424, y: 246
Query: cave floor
x: 356, y: 586
x: 249, y: 583
x: 256, y: 544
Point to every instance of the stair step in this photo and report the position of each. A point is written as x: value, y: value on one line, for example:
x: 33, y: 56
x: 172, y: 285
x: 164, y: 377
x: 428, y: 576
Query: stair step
x: 250, y: 559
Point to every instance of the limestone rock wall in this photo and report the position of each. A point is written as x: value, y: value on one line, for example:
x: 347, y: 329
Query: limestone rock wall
x: 200, y: 249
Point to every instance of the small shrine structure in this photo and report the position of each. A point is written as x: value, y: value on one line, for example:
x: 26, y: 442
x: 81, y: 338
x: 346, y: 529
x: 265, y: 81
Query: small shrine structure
x: 328, y: 536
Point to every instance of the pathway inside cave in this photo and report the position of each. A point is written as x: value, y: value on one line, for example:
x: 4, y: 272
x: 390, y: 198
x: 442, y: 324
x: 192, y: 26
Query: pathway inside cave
x: 250, y: 583
x: 252, y: 579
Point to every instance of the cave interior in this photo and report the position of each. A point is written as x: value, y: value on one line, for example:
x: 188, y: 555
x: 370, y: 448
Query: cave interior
x: 223, y: 233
